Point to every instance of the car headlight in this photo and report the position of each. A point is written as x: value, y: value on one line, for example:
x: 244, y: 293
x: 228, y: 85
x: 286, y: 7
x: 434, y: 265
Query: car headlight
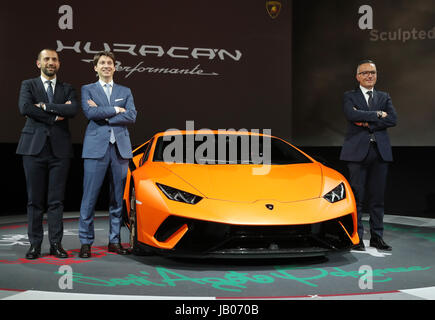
x: 179, y: 195
x: 336, y: 194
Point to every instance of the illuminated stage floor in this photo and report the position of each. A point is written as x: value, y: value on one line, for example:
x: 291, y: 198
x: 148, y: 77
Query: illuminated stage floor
x: 408, y: 272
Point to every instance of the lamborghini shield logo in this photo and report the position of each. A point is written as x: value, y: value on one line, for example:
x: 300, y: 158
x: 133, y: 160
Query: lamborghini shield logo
x: 273, y: 8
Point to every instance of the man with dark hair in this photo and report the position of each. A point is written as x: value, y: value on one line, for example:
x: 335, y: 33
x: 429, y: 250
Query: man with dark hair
x: 45, y: 145
x: 109, y: 107
x: 367, y: 149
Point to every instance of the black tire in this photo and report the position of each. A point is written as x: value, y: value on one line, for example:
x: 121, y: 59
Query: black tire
x: 135, y: 246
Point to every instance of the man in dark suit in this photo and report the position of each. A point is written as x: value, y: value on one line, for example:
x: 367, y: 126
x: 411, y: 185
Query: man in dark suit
x: 45, y: 145
x: 367, y: 149
x: 109, y: 107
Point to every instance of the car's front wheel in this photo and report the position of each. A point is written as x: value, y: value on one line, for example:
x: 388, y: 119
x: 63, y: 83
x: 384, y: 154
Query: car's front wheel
x: 134, y: 244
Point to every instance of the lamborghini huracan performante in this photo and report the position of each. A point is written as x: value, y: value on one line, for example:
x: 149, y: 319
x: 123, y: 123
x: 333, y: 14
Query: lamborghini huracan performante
x: 234, y: 194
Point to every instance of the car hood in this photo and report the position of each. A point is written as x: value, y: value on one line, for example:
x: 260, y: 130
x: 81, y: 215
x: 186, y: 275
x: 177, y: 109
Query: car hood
x: 284, y: 183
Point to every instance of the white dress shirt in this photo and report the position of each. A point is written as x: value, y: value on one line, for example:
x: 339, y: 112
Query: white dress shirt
x: 53, y: 86
x: 103, y: 84
x: 366, y: 96
x: 53, y: 83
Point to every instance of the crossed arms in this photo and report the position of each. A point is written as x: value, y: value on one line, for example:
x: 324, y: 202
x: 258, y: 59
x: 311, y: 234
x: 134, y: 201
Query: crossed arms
x: 46, y: 112
x: 372, y: 120
x: 112, y: 115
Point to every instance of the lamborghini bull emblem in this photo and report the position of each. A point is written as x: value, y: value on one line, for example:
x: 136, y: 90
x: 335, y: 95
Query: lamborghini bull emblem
x: 273, y: 8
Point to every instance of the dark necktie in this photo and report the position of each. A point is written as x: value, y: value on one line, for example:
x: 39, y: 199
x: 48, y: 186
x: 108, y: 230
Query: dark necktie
x: 370, y: 101
x: 370, y: 105
x: 49, y: 91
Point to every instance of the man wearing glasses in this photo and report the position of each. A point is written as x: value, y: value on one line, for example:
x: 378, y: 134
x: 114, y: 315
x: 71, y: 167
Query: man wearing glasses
x: 367, y: 149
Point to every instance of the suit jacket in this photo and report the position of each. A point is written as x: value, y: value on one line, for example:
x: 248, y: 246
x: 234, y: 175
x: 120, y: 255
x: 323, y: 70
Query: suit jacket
x: 41, y: 124
x: 357, y: 139
x: 103, y: 118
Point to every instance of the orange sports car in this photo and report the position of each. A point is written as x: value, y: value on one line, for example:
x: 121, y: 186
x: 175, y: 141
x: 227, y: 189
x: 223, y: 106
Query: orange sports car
x: 234, y: 194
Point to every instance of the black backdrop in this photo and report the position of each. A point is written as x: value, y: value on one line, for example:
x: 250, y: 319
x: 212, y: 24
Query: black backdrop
x: 327, y: 44
x: 244, y: 57
x: 287, y: 74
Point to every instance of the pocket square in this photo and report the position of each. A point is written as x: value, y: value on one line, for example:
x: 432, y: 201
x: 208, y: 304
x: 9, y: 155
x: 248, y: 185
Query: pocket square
x: 119, y: 99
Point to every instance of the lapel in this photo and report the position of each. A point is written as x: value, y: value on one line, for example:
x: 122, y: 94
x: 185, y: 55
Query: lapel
x: 101, y: 94
x: 115, y: 91
x: 58, y: 93
x: 42, y: 94
x: 361, y: 99
x: 375, y: 98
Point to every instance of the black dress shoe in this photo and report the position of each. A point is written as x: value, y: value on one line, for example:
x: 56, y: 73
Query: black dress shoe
x: 34, y: 252
x: 85, y: 251
x: 57, y: 250
x: 116, y: 247
x: 379, y: 243
x: 360, y: 246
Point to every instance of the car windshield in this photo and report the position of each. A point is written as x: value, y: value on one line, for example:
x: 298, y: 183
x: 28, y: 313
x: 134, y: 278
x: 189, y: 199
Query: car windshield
x: 226, y: 149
